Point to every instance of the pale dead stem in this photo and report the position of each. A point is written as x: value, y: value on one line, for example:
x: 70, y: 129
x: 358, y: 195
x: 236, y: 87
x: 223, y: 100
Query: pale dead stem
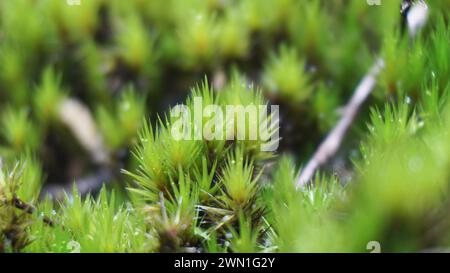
x: 78, y: 118
x: 334, y: 139
x: 416, y: 19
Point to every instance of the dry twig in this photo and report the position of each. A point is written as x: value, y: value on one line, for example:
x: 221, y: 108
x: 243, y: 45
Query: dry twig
x: 30, y: 209
x: 332, y: 142
x: 416, y: 19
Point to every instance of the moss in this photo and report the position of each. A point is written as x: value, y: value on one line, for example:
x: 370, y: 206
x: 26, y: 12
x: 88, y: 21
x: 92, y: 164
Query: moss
x: 129, y: 64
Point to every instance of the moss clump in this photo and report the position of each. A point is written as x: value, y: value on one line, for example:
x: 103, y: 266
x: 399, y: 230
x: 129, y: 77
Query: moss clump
x: 87, y: 94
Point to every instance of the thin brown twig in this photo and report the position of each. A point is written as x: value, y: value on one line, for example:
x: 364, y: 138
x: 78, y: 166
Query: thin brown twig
x: 30, y: 209
x: 333, y: 141
x: 416, y: 19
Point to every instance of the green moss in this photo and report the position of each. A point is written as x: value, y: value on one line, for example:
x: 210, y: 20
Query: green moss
x: 131, y: 63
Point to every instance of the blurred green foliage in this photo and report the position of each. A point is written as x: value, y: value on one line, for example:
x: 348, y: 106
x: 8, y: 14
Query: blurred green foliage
x: 130, y: 61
